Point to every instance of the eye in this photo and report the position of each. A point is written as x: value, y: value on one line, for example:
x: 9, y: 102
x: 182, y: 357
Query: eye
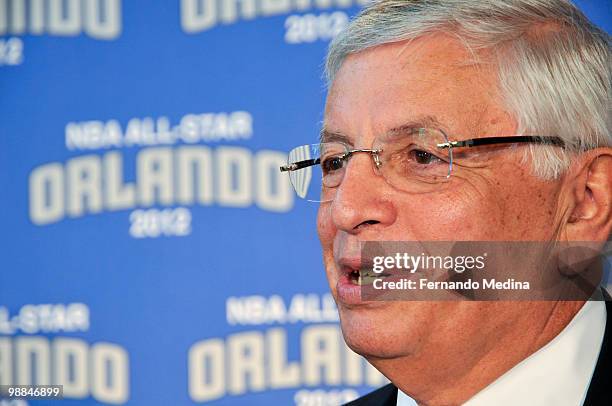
x: 332, y: 164
x: 423, y: 157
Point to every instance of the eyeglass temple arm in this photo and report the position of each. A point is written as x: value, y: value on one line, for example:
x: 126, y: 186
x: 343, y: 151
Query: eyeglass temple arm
x: 300, y: 165
x: 475, y: 142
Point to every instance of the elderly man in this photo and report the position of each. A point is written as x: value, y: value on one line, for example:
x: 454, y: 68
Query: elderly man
x: 411, y: 79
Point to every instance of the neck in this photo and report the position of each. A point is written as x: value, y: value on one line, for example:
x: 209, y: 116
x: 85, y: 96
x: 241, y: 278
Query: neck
x: 450, y: 376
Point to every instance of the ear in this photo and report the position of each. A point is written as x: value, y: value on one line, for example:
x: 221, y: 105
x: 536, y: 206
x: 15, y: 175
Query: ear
x: 591, y: 195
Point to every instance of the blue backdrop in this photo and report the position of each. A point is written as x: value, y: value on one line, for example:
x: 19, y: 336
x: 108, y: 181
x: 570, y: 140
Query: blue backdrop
x: 152, y: 252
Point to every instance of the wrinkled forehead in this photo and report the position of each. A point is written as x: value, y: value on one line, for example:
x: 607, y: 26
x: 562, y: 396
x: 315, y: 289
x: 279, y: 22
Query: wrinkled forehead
x: 432, y: 80
x: 408, y: 128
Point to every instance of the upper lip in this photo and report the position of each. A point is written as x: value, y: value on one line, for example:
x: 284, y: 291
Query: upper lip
x: 351, y: 264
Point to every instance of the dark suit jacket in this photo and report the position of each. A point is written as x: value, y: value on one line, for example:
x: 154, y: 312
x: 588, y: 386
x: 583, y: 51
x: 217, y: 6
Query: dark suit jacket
x: 599, y: 393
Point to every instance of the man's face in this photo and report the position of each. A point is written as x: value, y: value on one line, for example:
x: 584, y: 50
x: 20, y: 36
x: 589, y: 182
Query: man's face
x: 497, y: 199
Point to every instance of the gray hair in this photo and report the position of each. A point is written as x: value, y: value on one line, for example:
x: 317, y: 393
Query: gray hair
x: 556, y: 82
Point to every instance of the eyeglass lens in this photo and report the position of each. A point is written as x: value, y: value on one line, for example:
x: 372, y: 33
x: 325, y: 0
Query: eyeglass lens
x: 410, y: 161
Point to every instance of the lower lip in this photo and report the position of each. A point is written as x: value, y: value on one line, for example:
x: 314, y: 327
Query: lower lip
x: 348, y: 292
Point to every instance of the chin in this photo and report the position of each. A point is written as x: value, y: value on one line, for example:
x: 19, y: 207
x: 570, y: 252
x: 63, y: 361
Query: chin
x: 374, y: 333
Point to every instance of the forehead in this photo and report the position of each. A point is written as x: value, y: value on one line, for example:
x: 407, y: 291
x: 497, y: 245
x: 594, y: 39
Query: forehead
x: 436, y: 76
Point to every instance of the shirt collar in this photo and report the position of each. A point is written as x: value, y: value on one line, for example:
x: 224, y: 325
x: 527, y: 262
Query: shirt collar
x: 557, y: 374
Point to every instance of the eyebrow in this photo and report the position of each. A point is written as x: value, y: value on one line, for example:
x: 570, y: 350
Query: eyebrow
x: 333, y: 136
x: 419, y: 122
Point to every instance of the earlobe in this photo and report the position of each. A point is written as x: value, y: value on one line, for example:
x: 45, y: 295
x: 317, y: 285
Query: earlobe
x: 591, y: 217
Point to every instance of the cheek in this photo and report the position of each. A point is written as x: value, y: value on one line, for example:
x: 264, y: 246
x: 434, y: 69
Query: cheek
x: 327, y: 233
x: 447, y: 217
x: 530, y: 212
x: 477, y: 214
x: 470, y: 212
x: 496, y: 211
x: 325, y: 227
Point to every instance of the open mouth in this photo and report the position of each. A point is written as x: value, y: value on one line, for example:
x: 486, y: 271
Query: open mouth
x: 363, y: 277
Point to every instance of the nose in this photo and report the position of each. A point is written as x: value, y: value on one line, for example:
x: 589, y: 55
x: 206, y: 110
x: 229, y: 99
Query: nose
x: 362, y: 199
